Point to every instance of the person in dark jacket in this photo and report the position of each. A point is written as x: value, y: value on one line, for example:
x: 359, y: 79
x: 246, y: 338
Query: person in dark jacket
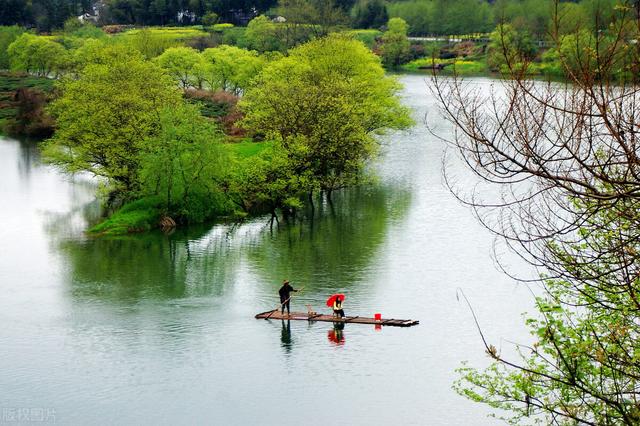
x: 285, y: 295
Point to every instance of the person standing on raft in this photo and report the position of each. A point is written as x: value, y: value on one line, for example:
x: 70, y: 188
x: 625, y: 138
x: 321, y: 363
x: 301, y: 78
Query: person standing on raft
x: 285, y: 295
x: 337, y: 307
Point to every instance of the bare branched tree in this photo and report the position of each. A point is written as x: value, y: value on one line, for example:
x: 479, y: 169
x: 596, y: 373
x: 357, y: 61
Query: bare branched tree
x: 566, y: 156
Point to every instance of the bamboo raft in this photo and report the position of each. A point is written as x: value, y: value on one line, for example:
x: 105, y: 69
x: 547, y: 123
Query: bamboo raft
x: 303, y: 316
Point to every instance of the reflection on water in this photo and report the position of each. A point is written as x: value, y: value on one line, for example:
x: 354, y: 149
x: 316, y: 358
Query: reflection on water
x: 285, y: 337
x: 336, y: 335
x: 331, y: 248
x: 160, y: 329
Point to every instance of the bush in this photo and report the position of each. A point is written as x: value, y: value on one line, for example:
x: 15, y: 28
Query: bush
x: 234, y: 37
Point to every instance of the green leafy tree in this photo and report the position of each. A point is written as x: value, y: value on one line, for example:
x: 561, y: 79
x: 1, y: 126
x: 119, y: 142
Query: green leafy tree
x: 106, y: 113
x: 182, y: 163
x: 230, y: 68
x: 268, y: 181
x: 8, y: 34
x: 508, y: 46
x: 261, y: 35
x: 37, y: 55
x: 395, y: 43
x: 312, y: 18
x: 418, y: 15
x: 183, y: 64
x: 369, y: 14
x: 210, y: 19
x: 323, y: 104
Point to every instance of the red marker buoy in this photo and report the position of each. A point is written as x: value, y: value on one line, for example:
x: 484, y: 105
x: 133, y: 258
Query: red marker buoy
x: 377, y: 317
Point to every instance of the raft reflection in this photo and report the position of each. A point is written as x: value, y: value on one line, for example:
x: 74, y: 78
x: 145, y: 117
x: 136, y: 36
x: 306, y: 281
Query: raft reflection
x: 336, y: 335
x: 286, y: 340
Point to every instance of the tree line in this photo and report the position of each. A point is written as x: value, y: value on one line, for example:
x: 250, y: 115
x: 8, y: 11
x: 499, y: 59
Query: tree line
x: 424, y: 17
x: 158, y: 126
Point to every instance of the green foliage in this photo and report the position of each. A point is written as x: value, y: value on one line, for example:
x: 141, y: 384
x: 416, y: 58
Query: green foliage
x: 234, y: 36
x: 314, y: 18
x: 87, y: 31
x: 577, y: 52
x: 417, y: 14
x: 184, y: 64
x: 42, y: 15
x: 508, y: 46
x: 261, y: 35
x: 368, y: 37
x: 151, y: 42
x: 267, y: 181
x: 395, y: 44
x: 209, y: 19
x: 369, y: 14
x: 246, y: 149
x: 12, y: 82
x: 106, y: 113
x: 532, y: 16
x: 37, y: 55
x: 444, y: 17
x: 322, y: 105
x: 583, y: 365
x: 572, y: 18
x: 7, y: 36
x: 230, y: 68
x: 182, y: 164
x: 72, y: 24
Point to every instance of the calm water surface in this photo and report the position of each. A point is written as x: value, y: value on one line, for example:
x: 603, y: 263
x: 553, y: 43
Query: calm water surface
x: 157, y: 329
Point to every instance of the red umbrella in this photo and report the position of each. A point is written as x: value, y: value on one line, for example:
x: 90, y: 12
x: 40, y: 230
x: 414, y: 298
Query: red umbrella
x: 333, y: 298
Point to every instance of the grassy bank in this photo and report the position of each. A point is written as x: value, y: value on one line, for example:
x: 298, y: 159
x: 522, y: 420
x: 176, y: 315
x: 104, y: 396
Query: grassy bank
x: 459, y: 66
x: 146, y: 213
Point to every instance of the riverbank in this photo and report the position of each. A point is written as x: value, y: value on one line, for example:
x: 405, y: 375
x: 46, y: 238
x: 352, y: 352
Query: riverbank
x: 23, y: 98
x: 149, y: 213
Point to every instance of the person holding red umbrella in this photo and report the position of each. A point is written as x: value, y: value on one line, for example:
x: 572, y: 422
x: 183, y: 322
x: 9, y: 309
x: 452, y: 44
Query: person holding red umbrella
x: 335, y: 302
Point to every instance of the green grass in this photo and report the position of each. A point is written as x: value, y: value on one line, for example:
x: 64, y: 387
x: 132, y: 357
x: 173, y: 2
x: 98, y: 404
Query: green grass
x: 221, y: 27
x: 137, y: 216
x: 173, y: 33
x: 246, y: 148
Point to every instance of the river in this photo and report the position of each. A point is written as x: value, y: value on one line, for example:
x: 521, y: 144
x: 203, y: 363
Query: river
x: 160, y: 329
